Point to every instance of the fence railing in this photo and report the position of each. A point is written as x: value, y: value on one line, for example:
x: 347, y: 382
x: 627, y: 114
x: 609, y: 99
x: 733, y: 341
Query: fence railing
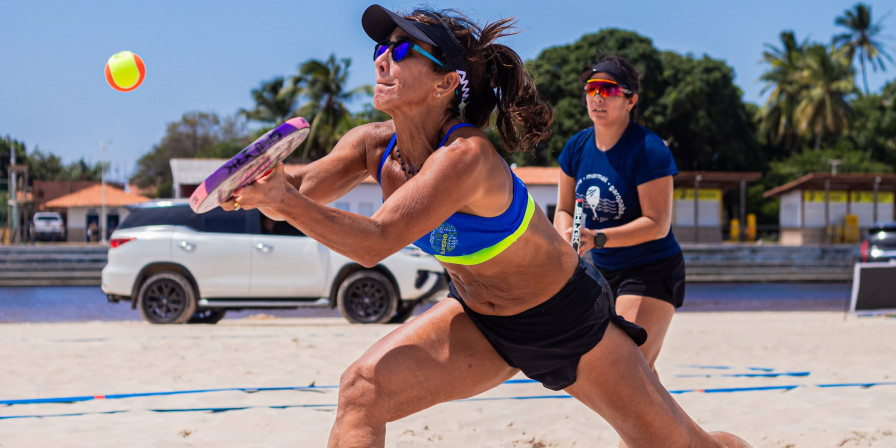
x: 65, y: 264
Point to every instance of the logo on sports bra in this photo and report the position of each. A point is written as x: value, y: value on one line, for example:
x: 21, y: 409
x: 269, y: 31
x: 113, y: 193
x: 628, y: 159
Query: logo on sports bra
x: 443, y: 239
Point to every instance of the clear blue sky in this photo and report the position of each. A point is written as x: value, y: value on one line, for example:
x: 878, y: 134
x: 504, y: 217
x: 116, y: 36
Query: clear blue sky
x: 208, y: 55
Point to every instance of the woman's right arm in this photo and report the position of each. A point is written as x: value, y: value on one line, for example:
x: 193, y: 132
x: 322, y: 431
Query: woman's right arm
x: 566, y: 200
x: 347, y: 165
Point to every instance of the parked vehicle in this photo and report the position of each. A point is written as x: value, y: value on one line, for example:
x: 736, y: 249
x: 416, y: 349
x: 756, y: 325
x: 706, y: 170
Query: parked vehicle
x: 880, y: 245
x: 176, y: 266
x: 47, y: 226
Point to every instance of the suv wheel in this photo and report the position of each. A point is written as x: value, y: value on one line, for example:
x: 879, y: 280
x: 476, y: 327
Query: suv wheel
x: 207, y: 316
x: 367, y: 297
x: 167, y: 298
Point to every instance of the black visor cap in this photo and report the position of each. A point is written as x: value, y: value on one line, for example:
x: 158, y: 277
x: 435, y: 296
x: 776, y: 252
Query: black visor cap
x: 379, y: 22
x: 611, y: 68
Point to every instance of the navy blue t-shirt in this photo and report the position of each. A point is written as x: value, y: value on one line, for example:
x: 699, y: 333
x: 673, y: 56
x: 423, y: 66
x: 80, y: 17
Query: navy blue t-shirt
x: 608, y: 182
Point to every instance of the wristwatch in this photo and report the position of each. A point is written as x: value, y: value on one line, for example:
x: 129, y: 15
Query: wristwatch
x: 599, y: 240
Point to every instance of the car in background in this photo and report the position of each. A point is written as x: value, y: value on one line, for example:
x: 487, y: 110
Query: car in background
x: 47, y: 226
x: 880, y: 245
x: 177, y: 266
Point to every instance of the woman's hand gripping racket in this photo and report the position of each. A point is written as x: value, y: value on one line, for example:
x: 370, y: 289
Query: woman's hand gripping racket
x: 250, y: 164
x: 577, y: 226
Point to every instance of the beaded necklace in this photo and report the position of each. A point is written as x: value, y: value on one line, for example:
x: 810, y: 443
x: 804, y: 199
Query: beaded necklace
x: 406, y: 167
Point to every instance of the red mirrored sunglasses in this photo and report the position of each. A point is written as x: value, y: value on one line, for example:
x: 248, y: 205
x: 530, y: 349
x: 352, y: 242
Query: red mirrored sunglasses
x: 606, y: 88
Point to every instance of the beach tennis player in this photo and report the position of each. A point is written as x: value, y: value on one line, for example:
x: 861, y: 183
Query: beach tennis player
x: 622, y: 173
x: 520, y: 298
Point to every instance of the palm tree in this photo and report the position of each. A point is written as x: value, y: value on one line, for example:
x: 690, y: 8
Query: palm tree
x: 862, y: 39
x: 824, y: 107
x: 323, y: 84
x: 783, y: 78
x: 273, y: 103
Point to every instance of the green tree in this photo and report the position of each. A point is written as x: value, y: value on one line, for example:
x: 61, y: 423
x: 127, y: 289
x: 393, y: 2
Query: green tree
x: 46, y: 167
x: 875, y: 132
x: 556, y: 72
x: 776, y: 119
x: 231, y: 135
x: 702, y: 117
x: 322, y: 85
x: 274, y: 104
x: 819, y: 161
x: 862, y: 39
x: 196, y: 134
x: 824, y: 107
x: 691, y: 103
x: 7, y: 146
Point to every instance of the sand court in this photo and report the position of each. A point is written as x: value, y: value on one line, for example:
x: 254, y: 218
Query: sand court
x: 778, y: 379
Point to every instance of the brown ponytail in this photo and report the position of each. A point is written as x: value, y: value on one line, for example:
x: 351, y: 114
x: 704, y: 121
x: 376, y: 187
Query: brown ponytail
x: 497, y: 79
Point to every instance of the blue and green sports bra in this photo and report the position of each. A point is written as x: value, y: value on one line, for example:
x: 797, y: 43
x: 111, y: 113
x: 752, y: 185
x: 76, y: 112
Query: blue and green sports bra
x: 469, y: 239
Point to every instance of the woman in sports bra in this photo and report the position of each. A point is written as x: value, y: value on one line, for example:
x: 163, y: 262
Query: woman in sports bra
x: 521, y: 298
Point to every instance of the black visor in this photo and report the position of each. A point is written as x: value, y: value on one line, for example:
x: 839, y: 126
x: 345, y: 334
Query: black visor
x: 379, y: 22
x: 611, y: 68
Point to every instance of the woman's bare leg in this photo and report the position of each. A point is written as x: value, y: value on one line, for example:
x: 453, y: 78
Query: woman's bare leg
x: 436, y: 357
x: 654, y: 315
x: 615, y: 381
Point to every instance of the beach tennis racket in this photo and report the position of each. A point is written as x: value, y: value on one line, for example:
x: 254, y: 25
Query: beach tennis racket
x: 577, y: 226
x: 250, y: 164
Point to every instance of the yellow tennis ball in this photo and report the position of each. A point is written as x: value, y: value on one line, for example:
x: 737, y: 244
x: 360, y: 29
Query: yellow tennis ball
x: 125, y: 71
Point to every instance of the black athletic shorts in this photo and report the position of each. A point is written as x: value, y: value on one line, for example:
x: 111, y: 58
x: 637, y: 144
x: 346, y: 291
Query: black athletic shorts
x: 663, y: 280
x: 546, y: 342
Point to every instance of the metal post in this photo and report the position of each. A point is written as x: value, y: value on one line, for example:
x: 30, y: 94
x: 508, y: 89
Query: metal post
x: 13, y: 196
x: 697, y: 179
x: 743, y: 209
x: 103, y: 218
x: 876, y: 189
x: 827, y: 211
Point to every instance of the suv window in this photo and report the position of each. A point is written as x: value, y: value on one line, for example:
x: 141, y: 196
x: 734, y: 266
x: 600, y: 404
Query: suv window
x: 156, y: 216
x: 220, y: 221
x: 213, y: 221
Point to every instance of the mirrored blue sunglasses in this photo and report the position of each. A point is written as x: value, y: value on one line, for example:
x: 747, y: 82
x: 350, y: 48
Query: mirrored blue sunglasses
x: 400, y: 50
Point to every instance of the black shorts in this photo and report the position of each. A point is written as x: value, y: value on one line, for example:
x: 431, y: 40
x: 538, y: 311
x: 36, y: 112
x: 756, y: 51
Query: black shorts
x: 663, y: 280
x: 546, y: 342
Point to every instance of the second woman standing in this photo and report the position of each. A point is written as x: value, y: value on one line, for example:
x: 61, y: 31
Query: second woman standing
x: 623, y: 172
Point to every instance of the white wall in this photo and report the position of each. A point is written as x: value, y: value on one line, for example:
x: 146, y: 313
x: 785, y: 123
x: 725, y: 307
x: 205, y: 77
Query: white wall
x: 809, y: 205
x: 76, y: 220
x: 790, y: 210
x: 545, y: 196
x: 709, y: 204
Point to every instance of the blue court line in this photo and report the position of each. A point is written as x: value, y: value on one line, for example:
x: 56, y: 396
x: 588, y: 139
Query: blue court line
x: 699, y: 366
x: 744, y: 375
x: 153, y: 394
x: 210, y: 410
x: 81, y: 398
x: 522, y: 397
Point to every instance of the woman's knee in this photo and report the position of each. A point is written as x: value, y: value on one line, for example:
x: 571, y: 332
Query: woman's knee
x: 357, y: 385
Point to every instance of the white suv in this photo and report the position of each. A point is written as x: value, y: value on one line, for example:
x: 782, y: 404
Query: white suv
x: 48, y: 225
x: 180, y: 267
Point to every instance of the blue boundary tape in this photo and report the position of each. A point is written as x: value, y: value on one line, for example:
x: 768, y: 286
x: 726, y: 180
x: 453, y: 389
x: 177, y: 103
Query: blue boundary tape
x: 332, y: 405
x: 153, y: 394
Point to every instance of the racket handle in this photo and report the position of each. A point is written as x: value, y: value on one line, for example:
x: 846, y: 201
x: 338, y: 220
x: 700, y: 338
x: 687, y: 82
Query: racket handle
x: 577, y: 225
x: 262, y: 176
